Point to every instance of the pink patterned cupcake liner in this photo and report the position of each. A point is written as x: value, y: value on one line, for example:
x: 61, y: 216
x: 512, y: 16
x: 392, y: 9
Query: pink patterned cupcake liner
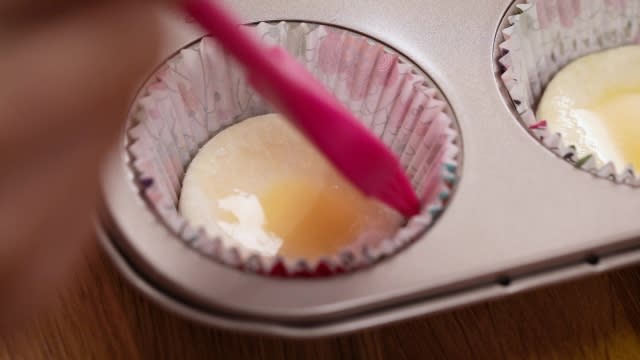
x: 545, y: 35
x: 200, y: 91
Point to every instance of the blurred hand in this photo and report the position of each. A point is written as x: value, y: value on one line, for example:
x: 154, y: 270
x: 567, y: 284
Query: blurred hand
x: 67, y: 72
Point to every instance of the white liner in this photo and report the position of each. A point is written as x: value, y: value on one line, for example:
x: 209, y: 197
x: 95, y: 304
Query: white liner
x: 200, y: 91
x: 543, y: 37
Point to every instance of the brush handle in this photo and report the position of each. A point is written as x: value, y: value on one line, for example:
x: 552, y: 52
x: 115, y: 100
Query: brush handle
x: 221, y: 24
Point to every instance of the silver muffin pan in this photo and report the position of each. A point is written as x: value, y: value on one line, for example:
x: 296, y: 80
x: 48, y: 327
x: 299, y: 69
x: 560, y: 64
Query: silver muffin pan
x: 520, y: 217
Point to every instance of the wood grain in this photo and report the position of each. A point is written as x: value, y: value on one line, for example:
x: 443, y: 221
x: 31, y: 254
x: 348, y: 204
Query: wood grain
x: 102, y: 317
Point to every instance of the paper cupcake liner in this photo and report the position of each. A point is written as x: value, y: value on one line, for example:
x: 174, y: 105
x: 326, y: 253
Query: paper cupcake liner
x: 201, y: 90
x: 545, y: 35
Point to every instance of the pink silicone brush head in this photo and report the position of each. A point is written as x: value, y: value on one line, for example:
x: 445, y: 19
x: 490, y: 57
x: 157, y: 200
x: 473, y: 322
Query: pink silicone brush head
x: 279, y: 78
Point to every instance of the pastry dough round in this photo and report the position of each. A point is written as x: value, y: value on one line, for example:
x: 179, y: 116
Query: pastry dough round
x: 594, y: 102
x: 262, y: 186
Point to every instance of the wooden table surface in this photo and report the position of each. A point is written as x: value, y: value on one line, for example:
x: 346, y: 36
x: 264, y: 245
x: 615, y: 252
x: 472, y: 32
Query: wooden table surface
x: 102, y: 317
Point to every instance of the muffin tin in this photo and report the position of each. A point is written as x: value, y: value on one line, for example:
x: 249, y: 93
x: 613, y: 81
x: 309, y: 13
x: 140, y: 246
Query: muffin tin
x: 520, y: 217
